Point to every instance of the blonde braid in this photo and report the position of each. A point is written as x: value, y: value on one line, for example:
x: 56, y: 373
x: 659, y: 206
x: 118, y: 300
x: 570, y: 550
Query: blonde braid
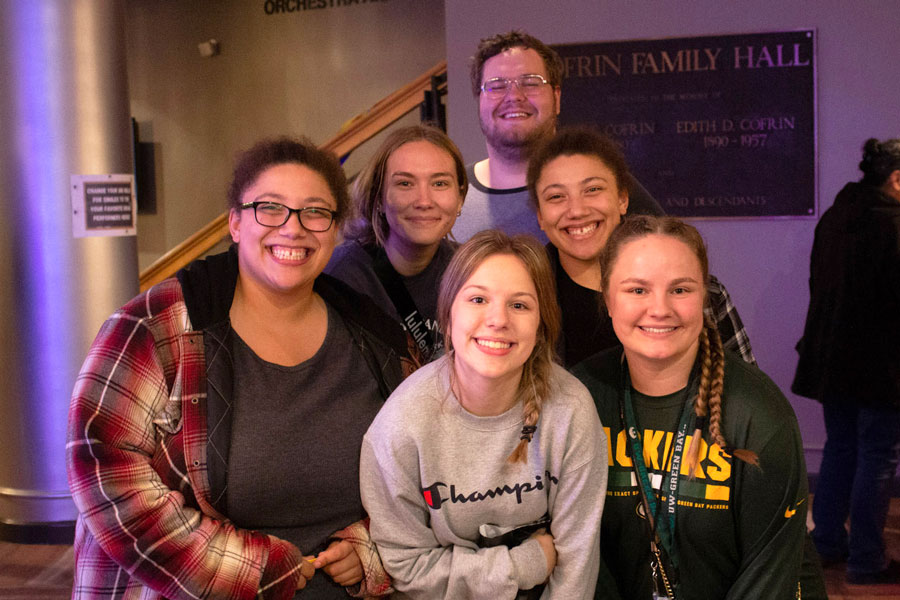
x: 701, y: 403
x: 717, y: 359
x: 708, y: 403
x: 716, y: 384
x: 532, y: 396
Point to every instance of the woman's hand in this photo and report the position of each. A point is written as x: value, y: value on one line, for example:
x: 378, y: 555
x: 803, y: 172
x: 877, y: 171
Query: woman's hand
x: 549, y: 548
x: 307, y: 570
x: 341, y: 563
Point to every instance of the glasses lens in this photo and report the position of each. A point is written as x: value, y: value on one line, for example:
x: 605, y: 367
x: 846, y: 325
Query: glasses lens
x: 271, y: 214
x: 316, y: 219
x: 496, y: 86
x: 531, y: 83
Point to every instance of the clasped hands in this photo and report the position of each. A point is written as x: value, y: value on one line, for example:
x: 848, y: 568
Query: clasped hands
x: 339, y: 561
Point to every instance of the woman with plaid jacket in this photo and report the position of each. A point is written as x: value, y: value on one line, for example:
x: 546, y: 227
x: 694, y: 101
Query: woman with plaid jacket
x: 215, y: 427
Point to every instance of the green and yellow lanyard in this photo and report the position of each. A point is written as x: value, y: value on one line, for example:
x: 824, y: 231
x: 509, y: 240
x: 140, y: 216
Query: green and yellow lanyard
x: 662, y: 530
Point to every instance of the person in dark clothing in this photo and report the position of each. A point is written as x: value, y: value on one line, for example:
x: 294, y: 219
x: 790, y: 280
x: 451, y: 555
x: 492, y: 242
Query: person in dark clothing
x: 850, y: 362
x: 407, y: 198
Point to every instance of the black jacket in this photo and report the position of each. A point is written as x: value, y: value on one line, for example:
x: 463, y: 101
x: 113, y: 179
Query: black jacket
x: 208, y: 286
x: 851, y: 343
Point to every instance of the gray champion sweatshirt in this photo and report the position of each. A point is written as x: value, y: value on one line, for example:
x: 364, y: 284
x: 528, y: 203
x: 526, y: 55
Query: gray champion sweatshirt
x: 433, y: 473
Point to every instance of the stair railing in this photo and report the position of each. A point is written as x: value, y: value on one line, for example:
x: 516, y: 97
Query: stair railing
x: 353, y: 134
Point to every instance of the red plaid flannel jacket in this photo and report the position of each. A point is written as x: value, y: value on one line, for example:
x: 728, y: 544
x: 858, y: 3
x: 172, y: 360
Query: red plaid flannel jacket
x: 136, y: 459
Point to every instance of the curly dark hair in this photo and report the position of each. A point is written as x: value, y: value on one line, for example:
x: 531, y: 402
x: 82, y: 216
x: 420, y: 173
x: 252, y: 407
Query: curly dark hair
x: 577, y: 140
x: 494, y: 45
x: 270, y: 152
x: 880, y: 159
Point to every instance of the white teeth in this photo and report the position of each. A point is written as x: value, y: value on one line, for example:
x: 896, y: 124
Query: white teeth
x: 515, y: 115
x: 493, y: 344
x: 289, y: 253
x: 582, y: 230
x: 658, y: 329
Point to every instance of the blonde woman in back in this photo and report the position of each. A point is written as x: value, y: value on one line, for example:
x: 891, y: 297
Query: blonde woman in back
x: 406, y: 198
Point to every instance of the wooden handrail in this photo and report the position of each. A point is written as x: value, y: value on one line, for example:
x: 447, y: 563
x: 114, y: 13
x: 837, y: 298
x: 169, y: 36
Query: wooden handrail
x: 353, y: 134
x: 181, y: 255
x: 368, y: 124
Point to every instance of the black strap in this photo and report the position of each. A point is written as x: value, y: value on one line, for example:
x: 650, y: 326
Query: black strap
x: 410, y: 316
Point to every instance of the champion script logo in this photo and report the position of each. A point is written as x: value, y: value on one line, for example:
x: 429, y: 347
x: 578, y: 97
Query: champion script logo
x: 434, y: 499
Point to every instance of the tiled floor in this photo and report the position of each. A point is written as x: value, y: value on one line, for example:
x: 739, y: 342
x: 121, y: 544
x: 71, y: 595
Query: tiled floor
x: 45, y: 572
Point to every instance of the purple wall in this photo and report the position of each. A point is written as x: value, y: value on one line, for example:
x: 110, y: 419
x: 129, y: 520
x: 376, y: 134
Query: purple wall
x: 763, y: 263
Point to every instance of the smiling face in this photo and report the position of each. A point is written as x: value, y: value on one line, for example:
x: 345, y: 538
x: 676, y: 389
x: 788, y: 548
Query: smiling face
x: 421, y: 195
x: 515, y: 121
x: 284, y: 259
x: 579, y: 204
x: 655, y: 300
x: 494, y: 323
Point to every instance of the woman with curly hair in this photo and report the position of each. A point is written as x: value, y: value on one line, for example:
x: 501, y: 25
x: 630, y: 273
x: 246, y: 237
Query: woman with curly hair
x: 214, y: 430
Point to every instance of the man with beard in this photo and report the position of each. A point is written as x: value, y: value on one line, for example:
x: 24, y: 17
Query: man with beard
x: 516, y: 79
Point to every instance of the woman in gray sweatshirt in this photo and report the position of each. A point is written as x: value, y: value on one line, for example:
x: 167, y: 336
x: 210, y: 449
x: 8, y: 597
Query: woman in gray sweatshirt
x: 492, y: 437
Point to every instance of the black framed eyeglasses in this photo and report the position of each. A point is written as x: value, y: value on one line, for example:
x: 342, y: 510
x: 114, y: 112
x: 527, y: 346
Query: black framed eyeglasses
x: 530, y: 85
x: 275, y: 214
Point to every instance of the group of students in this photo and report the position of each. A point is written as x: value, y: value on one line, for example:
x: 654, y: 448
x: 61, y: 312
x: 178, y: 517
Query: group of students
x: 396, y: 411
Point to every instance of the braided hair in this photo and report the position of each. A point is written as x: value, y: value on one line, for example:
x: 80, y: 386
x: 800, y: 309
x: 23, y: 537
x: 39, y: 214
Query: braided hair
x: 534, y: 386
x: 708, y: 405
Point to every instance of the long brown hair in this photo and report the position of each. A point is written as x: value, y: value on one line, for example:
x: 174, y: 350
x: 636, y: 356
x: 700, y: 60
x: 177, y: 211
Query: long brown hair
x: 708, y: 403
x: 534, y: 387
x: 370, y: 225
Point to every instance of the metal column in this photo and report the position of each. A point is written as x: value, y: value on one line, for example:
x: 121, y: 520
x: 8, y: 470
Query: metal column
x: 63, y: 111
